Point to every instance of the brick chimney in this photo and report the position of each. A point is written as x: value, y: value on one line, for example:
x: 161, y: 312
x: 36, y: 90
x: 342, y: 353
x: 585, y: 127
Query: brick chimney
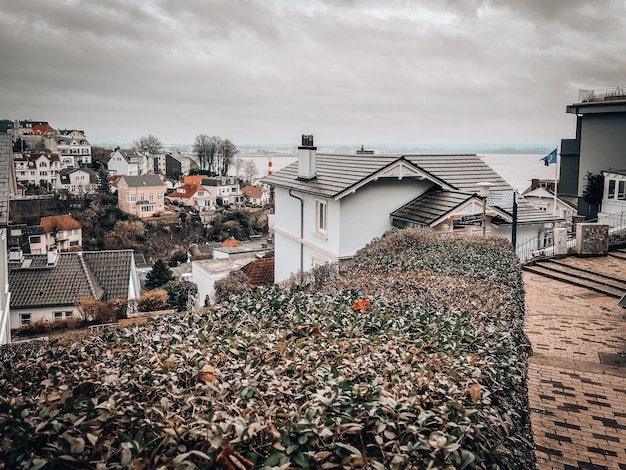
x: 307, y: 159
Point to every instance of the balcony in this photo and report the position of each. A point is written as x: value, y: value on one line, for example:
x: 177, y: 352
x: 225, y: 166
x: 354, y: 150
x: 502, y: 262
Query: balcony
x: 602, y: 94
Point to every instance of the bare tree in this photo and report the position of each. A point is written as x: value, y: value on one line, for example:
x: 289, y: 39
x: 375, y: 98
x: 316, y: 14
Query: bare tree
x: 202, y: 148
x: 250, y: 170
x: 148, y: 144
x: 228, y: 150
x: 238, y: 164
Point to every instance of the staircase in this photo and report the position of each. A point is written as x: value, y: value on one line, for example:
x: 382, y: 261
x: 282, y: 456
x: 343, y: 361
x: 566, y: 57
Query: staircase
x: 605, y: 275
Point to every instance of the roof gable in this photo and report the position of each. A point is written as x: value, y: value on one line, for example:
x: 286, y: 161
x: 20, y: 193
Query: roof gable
x: 59, y: 222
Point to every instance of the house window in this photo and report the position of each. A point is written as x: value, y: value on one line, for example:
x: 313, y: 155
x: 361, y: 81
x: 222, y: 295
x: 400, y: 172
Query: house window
x: 35, y: 239
x: 160, y: 196
x: 141, y: 198
x: 69, y: 314
x: 151, y: 197
x: 320, y: 216
x: 147, y: 208
x: 131, y: 198
x: 43, y: 164
x: 74, y: 243
x: 24, y: 318
x: 58, y: 315
x: 611, y: 189
x: 621, y: 192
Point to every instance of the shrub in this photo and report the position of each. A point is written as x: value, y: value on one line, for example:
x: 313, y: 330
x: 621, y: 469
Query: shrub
x: 235, y: 283
x: 152, y: 300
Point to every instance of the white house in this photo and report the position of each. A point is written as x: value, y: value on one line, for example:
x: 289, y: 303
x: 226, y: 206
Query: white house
x: 613, y: 209
x: 35, y: 167
x: 62, y: 231
x: 257, y: 195
x: 50, y: 286
x: 72, y: 146
x: 542, y: 198
x: 126, y: 162
x: 225, y: 188
x: 329, y: 206
x: 205, y: 272
x: 78, y: 180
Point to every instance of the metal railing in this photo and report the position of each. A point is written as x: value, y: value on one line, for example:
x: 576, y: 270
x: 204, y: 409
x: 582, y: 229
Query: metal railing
x: 542, y: 246
x: 602, y: 94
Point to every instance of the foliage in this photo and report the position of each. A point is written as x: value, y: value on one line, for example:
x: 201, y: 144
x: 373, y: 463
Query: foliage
x: 180, y: 294
x: 104, y: 185
x: 178, y: 258
x: 426, y: 372
x: 235, y: 283
x: 149, y: 144
x: 594, y: 188
x: 152, y: 301
x: 159, y: 275
x: 94, y: 310
x: 46, y: 327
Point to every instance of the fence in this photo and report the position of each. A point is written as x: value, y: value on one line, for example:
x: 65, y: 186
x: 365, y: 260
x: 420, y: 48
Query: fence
x: 542, y: 246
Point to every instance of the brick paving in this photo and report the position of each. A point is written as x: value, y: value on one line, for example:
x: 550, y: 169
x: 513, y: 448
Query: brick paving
x: 577, y: 384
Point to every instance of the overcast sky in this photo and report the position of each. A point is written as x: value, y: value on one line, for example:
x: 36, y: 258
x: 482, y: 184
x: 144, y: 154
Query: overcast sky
x: 351, y: 72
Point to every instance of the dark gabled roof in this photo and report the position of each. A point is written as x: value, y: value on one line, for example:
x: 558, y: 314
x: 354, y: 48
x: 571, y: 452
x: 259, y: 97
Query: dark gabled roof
x: 431, y: 206
x: 337, y: 174
x: 102, y: 275
x: 112, y: 268
x: 143, y: 180
x: 19, y: 236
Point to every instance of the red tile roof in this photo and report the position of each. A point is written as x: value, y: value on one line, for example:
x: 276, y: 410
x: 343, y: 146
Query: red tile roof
x: 41, y: 129
x: 194, y: 179
x: 58, y: 222
x: 186, y: 191
x: 260, y: 272
x: 252, y: 191
x: 231, y: 242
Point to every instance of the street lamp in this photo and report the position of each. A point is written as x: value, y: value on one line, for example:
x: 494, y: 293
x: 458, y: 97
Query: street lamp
x: 484, y: 194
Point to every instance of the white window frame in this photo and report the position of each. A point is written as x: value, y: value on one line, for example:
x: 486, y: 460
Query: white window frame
x: 321, y: 217
x: 25, y: 318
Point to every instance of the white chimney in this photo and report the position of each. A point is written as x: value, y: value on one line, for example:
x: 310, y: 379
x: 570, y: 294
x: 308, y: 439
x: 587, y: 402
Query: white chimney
x: 52, y: 255
x: 307, y: 159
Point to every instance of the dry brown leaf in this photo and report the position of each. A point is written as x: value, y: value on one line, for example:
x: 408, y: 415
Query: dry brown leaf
x: 208, y: 375
x: 230, y: 459
x: 474, y: 391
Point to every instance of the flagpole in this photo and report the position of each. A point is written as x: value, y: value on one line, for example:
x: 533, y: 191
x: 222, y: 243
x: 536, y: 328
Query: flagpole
x: 556, y: 180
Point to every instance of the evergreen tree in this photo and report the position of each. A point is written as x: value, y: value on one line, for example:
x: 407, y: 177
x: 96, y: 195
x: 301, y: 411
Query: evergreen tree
x: 159, y: 275
x: 104, y: 186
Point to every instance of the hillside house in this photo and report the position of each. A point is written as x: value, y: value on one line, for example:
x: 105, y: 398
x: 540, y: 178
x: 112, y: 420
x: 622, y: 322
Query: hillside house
x: 127, y: 162
x: 63, y: 232
x: 78, y: 181
x: 174, y: 164
x: 224, y: 188
x: 71, y: 145
x: 256, y: 195
x: 142, y: 196
x: 50, y: 286
x: 194, y: 195
x: 329, y: 206
x: 33, y: 168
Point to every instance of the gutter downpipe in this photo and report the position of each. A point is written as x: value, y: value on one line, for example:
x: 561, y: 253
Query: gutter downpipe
x: 301, y: 274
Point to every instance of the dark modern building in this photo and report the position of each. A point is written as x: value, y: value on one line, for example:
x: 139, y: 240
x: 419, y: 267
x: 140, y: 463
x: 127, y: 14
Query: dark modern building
x: 600, y: 142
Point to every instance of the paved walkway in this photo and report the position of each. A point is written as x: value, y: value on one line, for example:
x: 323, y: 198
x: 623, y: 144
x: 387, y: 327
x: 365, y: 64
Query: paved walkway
x: 577, y: 375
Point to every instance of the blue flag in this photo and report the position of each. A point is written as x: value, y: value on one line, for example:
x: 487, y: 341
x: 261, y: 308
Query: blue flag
x: 550, y: 158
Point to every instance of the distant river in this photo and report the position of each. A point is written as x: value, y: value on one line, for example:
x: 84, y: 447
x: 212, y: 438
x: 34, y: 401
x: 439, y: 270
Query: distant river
x: 517, y: 169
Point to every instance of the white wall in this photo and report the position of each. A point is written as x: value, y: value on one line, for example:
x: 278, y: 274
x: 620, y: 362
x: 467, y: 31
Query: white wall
x: 37, y: 314
x: 5, y: 296
x: 365, y: 214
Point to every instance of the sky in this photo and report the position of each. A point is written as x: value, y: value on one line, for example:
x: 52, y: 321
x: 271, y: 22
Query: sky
x: 450, y: 72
